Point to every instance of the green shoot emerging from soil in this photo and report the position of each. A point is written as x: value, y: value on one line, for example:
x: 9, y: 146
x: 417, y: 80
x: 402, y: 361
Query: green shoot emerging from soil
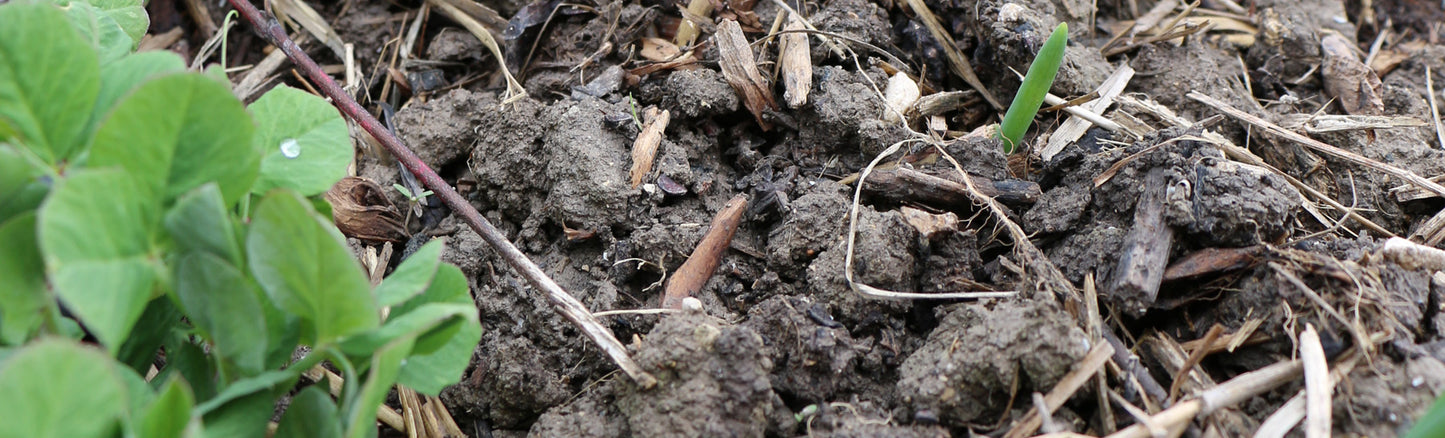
x: 1031, y: 94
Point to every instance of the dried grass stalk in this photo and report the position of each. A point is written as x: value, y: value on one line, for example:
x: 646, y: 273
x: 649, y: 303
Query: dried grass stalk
x: 1317, y: 384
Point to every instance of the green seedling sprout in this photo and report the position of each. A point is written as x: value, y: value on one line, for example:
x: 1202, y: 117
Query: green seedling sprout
x: 416, y: 200
x: 1031, y: 94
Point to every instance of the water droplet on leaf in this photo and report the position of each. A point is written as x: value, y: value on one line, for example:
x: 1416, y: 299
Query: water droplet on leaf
x: 290, y: 148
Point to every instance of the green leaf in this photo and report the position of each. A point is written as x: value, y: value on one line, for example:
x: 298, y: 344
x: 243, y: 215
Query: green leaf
x: 361, y: 416
x: 177, y: 132
x: 95, y: 234
x: 189, y: 362
x: 412, y: 276
x: 225, y: 306
x: 311, y: 414
x: 170, y: 414
x: 305, y: 267
x: 49, y: 77
x: 1031, y: 93
x: 120, y: 77
x: 429, y: 370
x: 199, y: 222
x: 130, y: 14
x: 100, y: 31
x: 423, y: 319
x: 20, y: 186
x: 244, y: 416
x: 57, y: 388
x: 289, y: 118
x: 1432, y: 423
x: 267, y: 381
x: 151, y: 330
x: 22, y: 281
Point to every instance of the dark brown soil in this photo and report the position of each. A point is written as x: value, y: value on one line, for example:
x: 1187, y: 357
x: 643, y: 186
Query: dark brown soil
x: 784, y: 347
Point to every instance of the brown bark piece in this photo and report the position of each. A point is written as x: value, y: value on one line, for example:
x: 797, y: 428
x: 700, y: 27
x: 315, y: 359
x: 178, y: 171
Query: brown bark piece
x: 644, y: 149
x: 797, y: 64
x: 741, y: 71
x: 1350, y: 81
x: 694, y: 273
x: 1145, y: 253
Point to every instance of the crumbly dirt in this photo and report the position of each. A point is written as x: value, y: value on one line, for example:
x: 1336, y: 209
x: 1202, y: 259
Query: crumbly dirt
x: 785, y: 346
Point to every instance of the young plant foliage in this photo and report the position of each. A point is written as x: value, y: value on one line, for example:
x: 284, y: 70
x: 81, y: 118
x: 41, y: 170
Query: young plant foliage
x: 145, y: 206
x: 1031, y: 94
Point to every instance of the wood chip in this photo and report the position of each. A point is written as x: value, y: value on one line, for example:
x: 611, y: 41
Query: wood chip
x: 741, y: 71
x: 694, y: 273
x: 644, y: 149
x: 797, y: 63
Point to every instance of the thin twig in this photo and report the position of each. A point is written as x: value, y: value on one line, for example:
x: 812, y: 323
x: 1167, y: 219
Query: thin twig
x: 270, y: 30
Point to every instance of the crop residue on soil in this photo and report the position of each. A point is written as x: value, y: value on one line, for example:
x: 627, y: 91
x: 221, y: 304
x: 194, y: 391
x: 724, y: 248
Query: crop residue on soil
x: 1146, y: 237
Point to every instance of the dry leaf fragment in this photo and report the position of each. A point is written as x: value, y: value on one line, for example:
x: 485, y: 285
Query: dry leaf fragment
x: 361, y: 209
x: 1350, y: 81
x: 741, y: 71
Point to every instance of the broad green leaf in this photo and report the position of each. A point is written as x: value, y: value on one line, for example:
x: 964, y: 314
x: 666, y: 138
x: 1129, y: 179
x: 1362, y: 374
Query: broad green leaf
x: 22, y: 281
x: 151, y: 330
x: 120, y: 77
x: 294, y: 122
x: 170, y: 414
x: 267, y: 381
x: 187, y: 361
x: 95, y: 232
x: 199, y: 222
x: 225, y: 306
x: 311, y: 414
x: 49, y: 77
x: 1431, y: 423
x: 385, y: 364
x: 21, y: 188
x: 177, y: 132
x: 139, y: 394
x: 421, y: 320
x: 244, y: 416
x: 58, y: 388
x: 130, y: 14
x: 428, y: 371
x: 411, y: 277
x: 100, y: 31
x: 305, y: 267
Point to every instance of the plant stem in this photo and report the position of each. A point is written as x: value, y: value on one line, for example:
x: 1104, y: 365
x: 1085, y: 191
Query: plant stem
x: 271, y: 30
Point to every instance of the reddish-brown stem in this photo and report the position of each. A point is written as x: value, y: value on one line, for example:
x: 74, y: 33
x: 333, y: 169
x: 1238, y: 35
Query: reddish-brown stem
x: 271, y: 30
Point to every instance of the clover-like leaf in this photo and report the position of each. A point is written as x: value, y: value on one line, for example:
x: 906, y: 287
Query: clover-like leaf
x: 302, y: 262
x: 49, y: 77
x: 58, y: 388
x: 411, y: 277
x: 177, y: 132
x: 95, y: 233
x: 22, y: 280
x: 306, y: 142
